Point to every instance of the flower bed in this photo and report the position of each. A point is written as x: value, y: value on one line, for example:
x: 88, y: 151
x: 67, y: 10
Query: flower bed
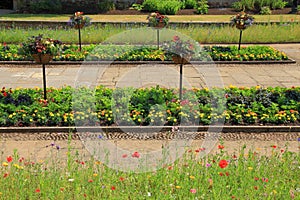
x: 236, y: 106
x: 148, y: 53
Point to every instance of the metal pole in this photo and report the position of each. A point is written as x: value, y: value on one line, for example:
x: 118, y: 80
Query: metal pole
x: 44, y: 82
x: 157, y: 38
x: 240, y: 39
x: 180, y: 82
x: 79, y: 35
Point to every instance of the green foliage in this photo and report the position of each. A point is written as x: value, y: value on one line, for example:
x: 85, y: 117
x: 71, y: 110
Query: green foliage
x: 46, y: 6
x: 202, y: 7
x: 190, y: 4
x: 257, y: 5
x: 150, y: 53
x: 160, y: 106
x: 137, y: 6
x: 168, y: 7
x: 265, y: 11
x: 106, y: 5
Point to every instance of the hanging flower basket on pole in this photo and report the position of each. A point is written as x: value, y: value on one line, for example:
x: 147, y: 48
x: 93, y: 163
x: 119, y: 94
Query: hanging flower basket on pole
x: 241, y: 21
x: 181, y: 52
x: 158, y: 22
x: 78, y: 21
x: 42, y: 51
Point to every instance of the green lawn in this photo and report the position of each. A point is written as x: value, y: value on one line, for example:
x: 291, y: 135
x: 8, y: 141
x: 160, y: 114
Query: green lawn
x: 142, y: 18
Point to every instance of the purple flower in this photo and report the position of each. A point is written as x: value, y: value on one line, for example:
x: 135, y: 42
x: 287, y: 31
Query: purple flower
x: 208, y: 165
x: 299, y: 139
x: 57, y: 147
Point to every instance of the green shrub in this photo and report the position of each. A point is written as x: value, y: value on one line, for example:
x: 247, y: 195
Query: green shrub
x: 190, y: 4
x: 105, y: 6
x: 202, y: 7
x: 150, y: 5
x: 169, y: 7
x: 257, y: 5
x: 46, y: 6
x: 265, y: 11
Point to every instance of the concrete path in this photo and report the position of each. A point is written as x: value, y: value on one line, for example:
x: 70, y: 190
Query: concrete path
x: 285, y: 75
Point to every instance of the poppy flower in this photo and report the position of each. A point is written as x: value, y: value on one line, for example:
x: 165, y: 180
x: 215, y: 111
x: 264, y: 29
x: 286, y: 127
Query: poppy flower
x: 221, y: 147
x: 5, y: 175
x: 90, y: 180
x: 274, y: 146
x: 223, y: 163
x: 37, y: 190
x: 9, y: 159
x: 124, y: 156
x: 113, y: 188
x: 136, y: 155
x: 121, y: 178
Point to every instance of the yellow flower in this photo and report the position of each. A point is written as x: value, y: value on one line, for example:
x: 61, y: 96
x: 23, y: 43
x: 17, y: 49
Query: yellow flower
x: 250, y: 168
x: 192, y: 177
x: 177, y: 187
x: 95, y: 174
x: 1, y: 193
x: 5, y: 164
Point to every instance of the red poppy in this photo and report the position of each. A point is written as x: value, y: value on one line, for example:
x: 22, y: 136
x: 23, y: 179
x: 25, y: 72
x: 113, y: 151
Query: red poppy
x: 113, y: 188
x: 136, y: 155
x: 256, y: 178
x: 121, y: 178
x: 227, y: 173
x: 221, y: 174
x: 9, y: 159
x: 124, y: 156
x: 37, y: 190
x: 5, y: 175
x: 4, y: 94
x: 223, y: 163
x: 90, y: 180
x: 274, y: 146
x: 220, y: 147
x: 255, y: 187
x: 170, y: 167
x: 265, y: 180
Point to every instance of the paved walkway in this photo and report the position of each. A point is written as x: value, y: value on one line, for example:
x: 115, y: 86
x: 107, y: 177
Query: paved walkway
x: 285, y: 75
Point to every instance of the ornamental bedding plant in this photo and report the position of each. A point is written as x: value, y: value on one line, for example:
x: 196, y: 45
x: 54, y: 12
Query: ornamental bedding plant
x: 98, y: 107
x: 245, y: 174
x: 150, y: 53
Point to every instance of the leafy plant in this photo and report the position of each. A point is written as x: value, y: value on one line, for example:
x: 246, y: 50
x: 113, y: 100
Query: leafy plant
x: 45, y: 6
x: 202, y: 7
x: 265, y: 11
x: 106, y: 5
x: 137, y: 6
x: 190, y: 4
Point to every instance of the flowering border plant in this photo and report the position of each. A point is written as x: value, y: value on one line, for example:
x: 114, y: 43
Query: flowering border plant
x: 40, y: 45
x: 155, y: 18
x: 79, y: 19
x: 242, y: 20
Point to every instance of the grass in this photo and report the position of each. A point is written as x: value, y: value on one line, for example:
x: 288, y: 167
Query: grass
x: 113, y: 34
x: 245, y: 174
x: 142, y: 18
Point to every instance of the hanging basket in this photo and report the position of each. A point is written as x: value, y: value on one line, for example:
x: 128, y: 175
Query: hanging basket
x: 181, y: 60
x: 79, y: 26
x: 240, y: 26
x: 160, y: 25
x: 42, y: 58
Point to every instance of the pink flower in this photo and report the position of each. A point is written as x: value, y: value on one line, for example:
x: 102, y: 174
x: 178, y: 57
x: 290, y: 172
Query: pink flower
x: 136, y: 155
x: 193, y: 190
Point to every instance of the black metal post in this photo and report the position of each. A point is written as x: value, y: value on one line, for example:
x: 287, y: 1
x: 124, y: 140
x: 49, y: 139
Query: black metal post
x: 157, y: 38
x: 180, y: 81
x: 44, y: 82
x: 79, y: 35
x: 241, y: 32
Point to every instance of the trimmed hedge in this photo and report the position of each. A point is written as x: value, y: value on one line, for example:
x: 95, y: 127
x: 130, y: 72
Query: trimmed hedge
x: 149, y: 106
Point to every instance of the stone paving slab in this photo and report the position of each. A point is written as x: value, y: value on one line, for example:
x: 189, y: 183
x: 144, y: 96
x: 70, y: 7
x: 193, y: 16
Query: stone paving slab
x: 141, y: 75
